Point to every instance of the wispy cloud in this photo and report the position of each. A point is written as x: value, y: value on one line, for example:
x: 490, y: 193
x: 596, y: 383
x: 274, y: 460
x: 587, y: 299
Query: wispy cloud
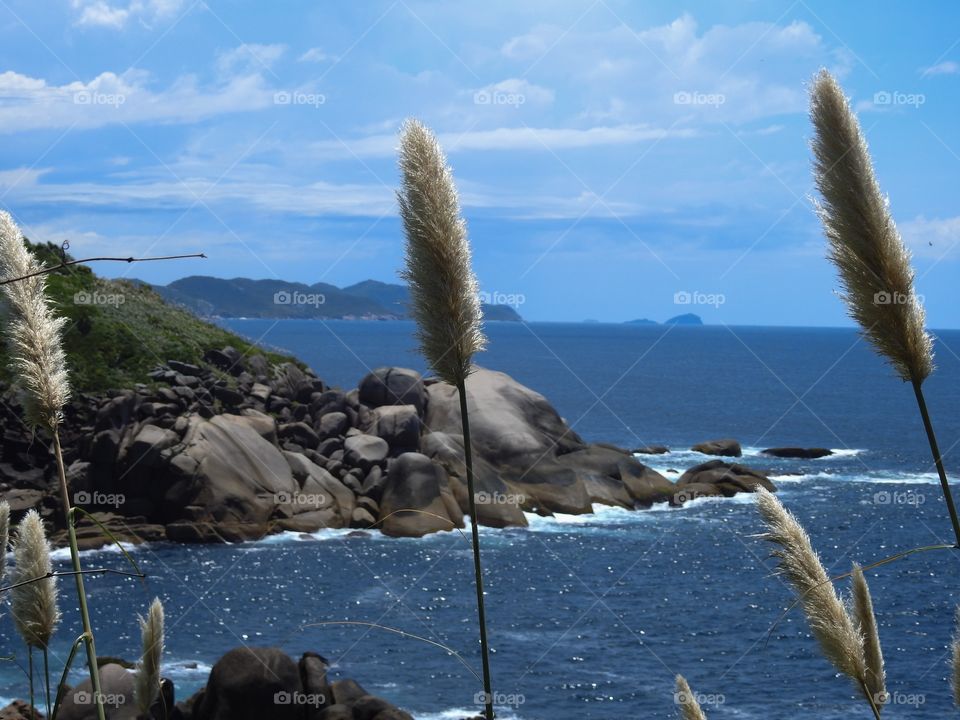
x: 947, y: 67
x: 538, y: 139
x: 30, y: 103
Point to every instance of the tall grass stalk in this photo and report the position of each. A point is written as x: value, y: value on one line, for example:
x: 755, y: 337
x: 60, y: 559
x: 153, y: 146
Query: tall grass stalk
x: 445, y: 303
x: 33, y: 333
x: 866, y: 247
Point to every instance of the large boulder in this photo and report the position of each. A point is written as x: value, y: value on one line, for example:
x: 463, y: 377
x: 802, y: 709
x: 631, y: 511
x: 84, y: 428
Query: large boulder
x: 228, y: 469
x: 364, y: 451
x: 527, y: 456
x: 321, y: 497
x: 252, y: 684
x: 727, y: 478
x: 393, y: 386
x: 417, y: 498
x: 399, y: 426
x: 727, y: 447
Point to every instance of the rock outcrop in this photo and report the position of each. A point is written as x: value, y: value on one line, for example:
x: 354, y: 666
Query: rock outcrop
x: 236, y: 448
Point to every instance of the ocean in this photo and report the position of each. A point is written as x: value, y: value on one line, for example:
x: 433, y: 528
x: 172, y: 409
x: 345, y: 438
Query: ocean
x: 593, y: 616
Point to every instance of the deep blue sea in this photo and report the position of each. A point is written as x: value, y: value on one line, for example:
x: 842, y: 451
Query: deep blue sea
x: 593, y: 616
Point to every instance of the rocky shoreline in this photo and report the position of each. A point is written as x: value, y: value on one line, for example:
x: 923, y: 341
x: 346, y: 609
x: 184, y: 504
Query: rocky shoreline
x: 237, y: 448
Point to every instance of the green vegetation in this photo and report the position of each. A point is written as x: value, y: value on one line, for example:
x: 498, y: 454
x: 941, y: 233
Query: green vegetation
x: 119, y: 330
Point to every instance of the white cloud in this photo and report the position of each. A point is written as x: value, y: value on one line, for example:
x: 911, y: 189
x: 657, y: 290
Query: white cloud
x: 512, y: 92
x: 249, y: 57
x: 932, y: 237
x: 755, y: 68
x: 543, y: 139
x: 948, y: 67
x: 30, y: 103
x: 316, y: 55
x: 100, y: 13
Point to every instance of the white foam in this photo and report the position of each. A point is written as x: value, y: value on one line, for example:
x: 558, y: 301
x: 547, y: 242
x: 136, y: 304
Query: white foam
x: 459, y: 713
x: 63, y: 554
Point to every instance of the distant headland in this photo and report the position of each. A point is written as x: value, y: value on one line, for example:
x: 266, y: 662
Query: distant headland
x: 245, y: 298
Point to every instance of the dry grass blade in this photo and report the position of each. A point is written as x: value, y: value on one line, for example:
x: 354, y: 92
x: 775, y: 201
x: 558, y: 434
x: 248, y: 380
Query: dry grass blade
x: 687, y: 701
x: 839, y: 639
x: 444, y: 292
x: 876, y: 678
x: 865, y: 245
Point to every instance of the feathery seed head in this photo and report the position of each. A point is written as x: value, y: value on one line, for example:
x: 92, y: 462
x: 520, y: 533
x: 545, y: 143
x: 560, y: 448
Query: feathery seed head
x: 33, y: 332
x: 443, y: 289
x: 840, y: 640
x: 687, y: 702
x: 867, y: 621
x: 874, y: 263
x: 147, y: 681
x: 34, y: 605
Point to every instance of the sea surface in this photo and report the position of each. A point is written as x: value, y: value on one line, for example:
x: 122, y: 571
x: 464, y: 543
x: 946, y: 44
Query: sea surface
x: 593, y: 616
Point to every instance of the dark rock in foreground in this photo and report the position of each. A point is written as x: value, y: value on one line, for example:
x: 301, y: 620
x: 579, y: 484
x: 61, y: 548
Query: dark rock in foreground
x: 797, y: 452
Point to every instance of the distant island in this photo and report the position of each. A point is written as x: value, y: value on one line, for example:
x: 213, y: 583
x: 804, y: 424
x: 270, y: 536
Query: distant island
x: 685, y: 319
x: 242, y: 297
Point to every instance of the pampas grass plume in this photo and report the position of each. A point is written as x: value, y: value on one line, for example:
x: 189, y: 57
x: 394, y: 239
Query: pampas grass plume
x: 33, y: 332
x: 866, y: 247
x: 687, y: 701
x: 148, y: 669
x: 33, y: 605
x: 872, y: 652
x: 840, y: 640
x: 443, y: 289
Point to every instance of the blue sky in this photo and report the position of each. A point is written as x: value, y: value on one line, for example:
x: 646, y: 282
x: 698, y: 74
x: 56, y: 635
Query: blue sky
x: 611, y: 155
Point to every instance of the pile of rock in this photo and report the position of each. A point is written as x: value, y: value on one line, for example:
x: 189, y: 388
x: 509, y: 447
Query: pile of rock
x: 237, y: 448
